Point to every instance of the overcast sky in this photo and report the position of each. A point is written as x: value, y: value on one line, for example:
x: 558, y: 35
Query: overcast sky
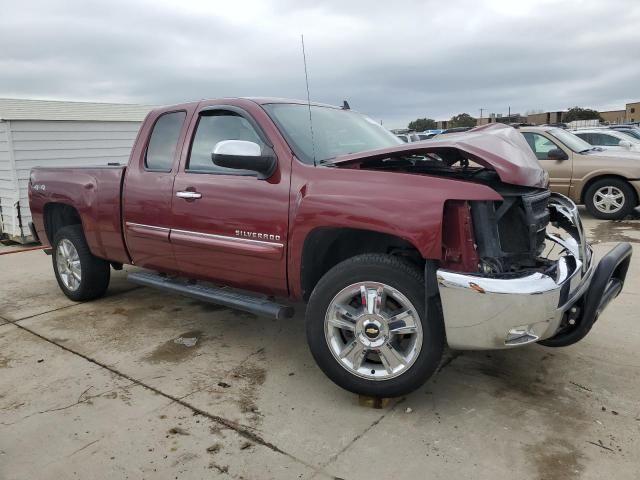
x: 394, y: 61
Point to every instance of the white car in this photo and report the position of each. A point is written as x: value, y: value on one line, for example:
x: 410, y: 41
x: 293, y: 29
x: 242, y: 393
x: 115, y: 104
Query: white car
x: 609, y: 139
x: 413, y: 137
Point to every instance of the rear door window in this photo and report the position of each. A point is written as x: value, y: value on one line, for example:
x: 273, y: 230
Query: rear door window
x: 163, y: 143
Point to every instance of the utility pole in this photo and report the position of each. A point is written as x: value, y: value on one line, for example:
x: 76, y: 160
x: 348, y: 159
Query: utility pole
x: 509, y: 114
x: 481, y: 110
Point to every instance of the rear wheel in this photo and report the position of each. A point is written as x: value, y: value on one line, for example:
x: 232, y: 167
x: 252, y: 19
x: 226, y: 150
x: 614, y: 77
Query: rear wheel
x: 610, y: 199
x: 80, y: 274
x: 369, y: 329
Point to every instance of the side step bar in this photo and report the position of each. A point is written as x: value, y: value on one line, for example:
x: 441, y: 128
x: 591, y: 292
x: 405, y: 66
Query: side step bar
x: 220, y: 296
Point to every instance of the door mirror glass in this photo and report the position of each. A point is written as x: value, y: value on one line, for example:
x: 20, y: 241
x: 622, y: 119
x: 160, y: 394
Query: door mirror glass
x: 243, y: 155
x: 556, y: 154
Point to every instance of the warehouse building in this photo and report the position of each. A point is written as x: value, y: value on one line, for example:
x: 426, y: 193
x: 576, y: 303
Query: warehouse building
x: 49, y: 133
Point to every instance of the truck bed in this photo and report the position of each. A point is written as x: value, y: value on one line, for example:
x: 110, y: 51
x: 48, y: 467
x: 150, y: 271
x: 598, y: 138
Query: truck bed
x: 95, y: 193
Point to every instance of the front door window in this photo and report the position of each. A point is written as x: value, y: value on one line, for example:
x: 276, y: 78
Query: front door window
x: 540, y: 145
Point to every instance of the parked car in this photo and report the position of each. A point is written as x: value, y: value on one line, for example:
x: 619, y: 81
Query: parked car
x: 632, y: 130
x: 412, y: 137
x: 606, y: 181
x: 448, y: 131
x: 396, y: 248
x: 426, y: 135
x: 609, y: 139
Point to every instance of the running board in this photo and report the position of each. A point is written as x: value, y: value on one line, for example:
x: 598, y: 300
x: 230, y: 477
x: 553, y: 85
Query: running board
x: 219, y: 296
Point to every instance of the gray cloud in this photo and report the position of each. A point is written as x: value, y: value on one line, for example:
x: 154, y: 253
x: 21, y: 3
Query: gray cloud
x: 394, y: 61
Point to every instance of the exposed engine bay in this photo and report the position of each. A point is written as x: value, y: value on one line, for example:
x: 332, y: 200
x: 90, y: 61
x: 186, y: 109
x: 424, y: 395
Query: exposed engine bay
x: 509, y: 235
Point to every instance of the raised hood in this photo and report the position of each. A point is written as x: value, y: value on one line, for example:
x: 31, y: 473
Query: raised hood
x: 498, y: 147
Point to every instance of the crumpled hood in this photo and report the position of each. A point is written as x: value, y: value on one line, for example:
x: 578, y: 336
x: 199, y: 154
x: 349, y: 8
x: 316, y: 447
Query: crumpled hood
x: 496, y: 146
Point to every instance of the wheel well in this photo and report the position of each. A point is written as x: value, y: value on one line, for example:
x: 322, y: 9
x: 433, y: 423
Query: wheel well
x: 591, y: 181
x: 326, y: 247
x: 58, y: 215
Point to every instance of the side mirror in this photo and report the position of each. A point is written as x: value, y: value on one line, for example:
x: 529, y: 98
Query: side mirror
x: 556, y: 154
x: 625, y: 143
x: 244, y: 155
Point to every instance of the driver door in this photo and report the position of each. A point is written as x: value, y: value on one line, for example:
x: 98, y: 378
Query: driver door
x: 228, y: 226
x: 560, y: 171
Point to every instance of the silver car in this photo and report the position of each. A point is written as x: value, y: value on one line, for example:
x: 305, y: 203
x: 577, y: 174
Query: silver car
x: 609, y: 139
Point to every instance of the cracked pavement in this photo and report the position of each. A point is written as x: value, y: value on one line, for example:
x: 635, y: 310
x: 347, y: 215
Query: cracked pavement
x: 141, y: 384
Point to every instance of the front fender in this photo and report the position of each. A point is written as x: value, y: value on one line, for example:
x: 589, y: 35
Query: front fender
x: 404, y: 205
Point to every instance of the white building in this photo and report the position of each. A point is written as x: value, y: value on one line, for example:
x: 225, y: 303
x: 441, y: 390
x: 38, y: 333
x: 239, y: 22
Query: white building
x: 49, y: 133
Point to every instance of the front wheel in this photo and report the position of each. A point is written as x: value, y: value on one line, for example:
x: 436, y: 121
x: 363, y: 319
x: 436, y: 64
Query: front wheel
x: 80, y: 274
x: 610, y: 199
x: 370, y: 329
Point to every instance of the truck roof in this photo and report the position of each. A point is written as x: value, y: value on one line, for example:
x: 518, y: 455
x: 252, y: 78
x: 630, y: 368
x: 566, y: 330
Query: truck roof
x: 258, y: 100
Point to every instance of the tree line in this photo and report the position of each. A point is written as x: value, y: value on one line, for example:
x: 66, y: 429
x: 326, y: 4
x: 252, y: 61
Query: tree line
x: 460, y: 120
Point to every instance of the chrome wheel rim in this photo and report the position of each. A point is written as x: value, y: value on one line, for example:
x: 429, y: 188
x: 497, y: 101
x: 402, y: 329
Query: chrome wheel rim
x: 68, y: 262
x: 608, y: 199
x: 373, y: 331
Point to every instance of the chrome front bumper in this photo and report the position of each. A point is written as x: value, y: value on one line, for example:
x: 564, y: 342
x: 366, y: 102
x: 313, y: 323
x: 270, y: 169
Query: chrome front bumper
x: 491, y: 311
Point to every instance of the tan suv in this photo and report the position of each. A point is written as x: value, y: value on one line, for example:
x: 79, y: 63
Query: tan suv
x: 606, y: 181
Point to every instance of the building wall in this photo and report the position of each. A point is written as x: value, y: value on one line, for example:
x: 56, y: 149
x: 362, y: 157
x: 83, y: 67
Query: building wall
x: 633, y: 112
x: 537, y: 118
x: 6, y: 180
x: 61, y: 144
x: 545, y: 117
x: 613, y: 116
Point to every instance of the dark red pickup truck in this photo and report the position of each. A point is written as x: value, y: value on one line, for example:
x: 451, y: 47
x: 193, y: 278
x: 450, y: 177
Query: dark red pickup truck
x: 396, y: 248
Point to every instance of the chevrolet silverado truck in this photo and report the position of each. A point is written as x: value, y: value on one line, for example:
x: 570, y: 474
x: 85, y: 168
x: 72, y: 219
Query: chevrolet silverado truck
x: 397, y: 249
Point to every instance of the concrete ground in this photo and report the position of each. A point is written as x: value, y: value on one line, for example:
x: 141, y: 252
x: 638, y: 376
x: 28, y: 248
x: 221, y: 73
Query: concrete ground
x: 117, y: 388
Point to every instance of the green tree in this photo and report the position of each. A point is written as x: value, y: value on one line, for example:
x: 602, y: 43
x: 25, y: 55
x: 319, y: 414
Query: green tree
x: 578, y: 113
x: 462, y: 120
x: 422, y: 124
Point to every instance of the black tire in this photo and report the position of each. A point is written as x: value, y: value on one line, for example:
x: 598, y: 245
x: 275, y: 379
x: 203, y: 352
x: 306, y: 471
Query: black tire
x: 399, y: 275
x: 629, y: 202
x: 95, y: 272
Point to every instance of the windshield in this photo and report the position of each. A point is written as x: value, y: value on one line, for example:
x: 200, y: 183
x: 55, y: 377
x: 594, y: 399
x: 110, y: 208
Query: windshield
x: 572, y: 141
x: 335, y: 132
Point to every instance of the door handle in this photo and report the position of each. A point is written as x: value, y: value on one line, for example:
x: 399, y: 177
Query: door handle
x: 189, y: 195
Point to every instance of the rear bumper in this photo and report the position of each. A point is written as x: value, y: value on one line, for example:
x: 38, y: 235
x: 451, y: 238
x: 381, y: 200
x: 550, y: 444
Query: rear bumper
x: 557, y: 306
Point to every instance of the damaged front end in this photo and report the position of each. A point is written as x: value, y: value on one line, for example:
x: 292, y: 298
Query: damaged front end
x: 537, y: 280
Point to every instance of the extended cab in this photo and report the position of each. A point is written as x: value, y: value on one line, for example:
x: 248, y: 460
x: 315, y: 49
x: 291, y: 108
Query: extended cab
x: 398, y: 249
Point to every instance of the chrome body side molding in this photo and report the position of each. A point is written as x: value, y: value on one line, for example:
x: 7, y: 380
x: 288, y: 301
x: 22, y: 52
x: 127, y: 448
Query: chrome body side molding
x: 233, y: 245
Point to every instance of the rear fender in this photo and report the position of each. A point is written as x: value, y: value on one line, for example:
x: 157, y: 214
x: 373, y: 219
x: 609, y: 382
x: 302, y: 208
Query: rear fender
x: 94, y: 193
